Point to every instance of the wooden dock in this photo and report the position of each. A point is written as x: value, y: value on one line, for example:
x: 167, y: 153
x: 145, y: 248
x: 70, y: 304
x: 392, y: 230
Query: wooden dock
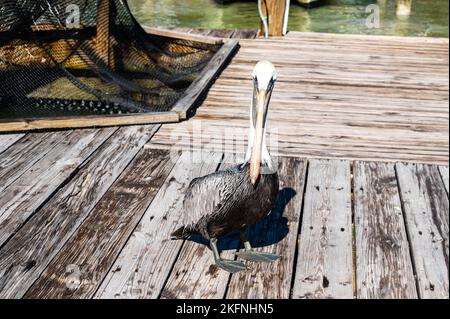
x: 363, y: 210
x: 338, y: 96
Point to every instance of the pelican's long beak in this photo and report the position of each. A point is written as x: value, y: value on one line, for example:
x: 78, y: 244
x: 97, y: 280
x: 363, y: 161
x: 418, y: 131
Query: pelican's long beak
x: 261, y: 99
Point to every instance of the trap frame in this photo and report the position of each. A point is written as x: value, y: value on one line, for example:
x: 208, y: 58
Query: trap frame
x: 106, y: 71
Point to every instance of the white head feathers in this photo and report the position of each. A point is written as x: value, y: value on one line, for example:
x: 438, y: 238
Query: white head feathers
x: 264, y: 72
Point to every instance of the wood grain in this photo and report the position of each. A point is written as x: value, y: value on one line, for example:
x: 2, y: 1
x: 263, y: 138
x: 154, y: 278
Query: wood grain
x: 88, y: 121
x: 325, y: 262
x: 426, y: 209
x: 195, y: 275
x: 27, y: 193
x: 8, y: 140
x: 30, y: 250
x: 244, y: 34
x: 445, y: 176
x: 17, y: 159
x: 394, y: 40
x: 183, y: 34
x: 223, y: 33
x: 275, y: 234
x: 71, y: 198
x: 99, y: 239
x: 144, y: 264
x: 383, y: 262
x: 345, y: 97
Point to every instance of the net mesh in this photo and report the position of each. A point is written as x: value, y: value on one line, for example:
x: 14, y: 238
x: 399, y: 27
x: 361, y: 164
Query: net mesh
x: 89, y: 57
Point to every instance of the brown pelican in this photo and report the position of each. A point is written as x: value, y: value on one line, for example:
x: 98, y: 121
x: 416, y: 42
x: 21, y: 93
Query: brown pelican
x: 229, y: 200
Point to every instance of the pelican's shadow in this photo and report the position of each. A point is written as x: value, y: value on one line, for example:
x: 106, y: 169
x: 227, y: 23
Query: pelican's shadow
x: 268, y: 231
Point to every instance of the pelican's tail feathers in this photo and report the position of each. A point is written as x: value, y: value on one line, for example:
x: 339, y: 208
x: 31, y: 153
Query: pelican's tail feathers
x: 182, y: 232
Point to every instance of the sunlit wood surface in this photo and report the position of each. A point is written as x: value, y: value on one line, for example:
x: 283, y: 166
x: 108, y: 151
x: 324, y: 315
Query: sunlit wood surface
x: 338, y: 96
x: 362, y: 124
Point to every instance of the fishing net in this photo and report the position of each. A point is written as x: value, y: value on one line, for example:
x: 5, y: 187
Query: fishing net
x: 88, y: 57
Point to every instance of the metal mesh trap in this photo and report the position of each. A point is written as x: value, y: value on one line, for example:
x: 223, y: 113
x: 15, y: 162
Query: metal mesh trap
x: 76, y: 63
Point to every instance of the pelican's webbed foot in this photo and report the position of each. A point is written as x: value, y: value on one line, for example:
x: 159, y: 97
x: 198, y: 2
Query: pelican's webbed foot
x: 249, y: 254
x: 230, y: 266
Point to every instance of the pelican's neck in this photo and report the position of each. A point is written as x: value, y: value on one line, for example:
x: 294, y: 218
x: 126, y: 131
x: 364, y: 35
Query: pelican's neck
x: 265, y: 155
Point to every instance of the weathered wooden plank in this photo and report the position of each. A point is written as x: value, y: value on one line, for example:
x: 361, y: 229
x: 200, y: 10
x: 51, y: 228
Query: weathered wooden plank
x: 311, y: 140
x: 370, y: 39
x: 401, y: 128
x: 365, y: 116
x: 383, y: 262
x: 144, y: 264
x: 342, y: 144
x: 194, y: 275
x: 17, y: 159
x: 221, y: 33
x: 275, y: 234
x: 88, y: 121
x: 341, y: 149
x: 353, y: 49
x: 202, y: 31
x: 420, y: 115
x: 403, y: 123
x: 172, y: 29
x: 426, y: 210
x: 325, y: 255
x: 27, y: 254
x: 27, y: 193
x: 444, y: 174
x: 346, y: 76
x: 438, y: 46
x: 205, y: 78
x: 218, y: 127
x: 182, y: 34
x: 8, y: 140
x: 98, y: 241
x: 245, y: 34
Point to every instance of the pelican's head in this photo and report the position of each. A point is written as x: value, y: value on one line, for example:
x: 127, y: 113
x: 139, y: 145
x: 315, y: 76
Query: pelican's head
x: 264, y: 77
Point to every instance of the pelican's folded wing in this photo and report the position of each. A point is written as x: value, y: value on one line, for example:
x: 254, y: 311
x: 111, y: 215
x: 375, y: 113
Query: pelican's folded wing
x: 210, y: 195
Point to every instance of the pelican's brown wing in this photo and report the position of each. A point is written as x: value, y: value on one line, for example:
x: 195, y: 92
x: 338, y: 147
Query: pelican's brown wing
x: 209, y: 196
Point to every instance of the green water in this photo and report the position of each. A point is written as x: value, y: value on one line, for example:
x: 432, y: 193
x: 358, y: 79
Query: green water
x: 428, y: 17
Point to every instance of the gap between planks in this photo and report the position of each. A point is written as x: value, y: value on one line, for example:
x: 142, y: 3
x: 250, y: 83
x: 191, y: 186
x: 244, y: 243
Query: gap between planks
x: 194, y: 274
x: 259, y: 289
x: 98, y: 240
x: 26, y: 255
x: 26, y: 194
x: 144, y: 264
